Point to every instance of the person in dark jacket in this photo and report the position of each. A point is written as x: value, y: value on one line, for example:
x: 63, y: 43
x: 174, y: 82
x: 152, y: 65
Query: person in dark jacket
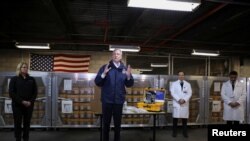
x: 113, y: 78
x: 23, y: 92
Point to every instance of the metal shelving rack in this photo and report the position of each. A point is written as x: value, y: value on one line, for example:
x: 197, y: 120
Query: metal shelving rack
x: 48, y: 112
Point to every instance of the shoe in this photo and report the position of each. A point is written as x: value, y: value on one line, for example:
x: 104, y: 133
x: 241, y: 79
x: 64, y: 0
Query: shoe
x: 185, y: 135
x: 174, y: 134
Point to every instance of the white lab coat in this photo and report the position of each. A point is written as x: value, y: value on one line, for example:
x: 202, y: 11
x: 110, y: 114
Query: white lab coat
x: 181, y: 110
x: 228, y: 95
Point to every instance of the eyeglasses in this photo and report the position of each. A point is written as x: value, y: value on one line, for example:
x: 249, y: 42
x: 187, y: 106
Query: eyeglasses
x: 24, y: 67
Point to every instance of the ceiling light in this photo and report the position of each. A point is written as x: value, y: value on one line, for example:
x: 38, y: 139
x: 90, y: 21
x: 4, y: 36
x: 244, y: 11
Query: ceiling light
x: 179, y: 5
x: 205, y: 53
x: 125, y: 48
x: 33, y: 45
x: 159, y: 65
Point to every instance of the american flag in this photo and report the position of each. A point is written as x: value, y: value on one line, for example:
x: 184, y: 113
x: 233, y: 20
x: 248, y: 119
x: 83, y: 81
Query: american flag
x: 59, y: 62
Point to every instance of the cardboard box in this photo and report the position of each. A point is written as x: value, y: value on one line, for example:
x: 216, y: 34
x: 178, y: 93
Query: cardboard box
x: 95, y: 104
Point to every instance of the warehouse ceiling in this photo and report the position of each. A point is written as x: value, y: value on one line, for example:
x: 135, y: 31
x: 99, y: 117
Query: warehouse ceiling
x: 94, y: 24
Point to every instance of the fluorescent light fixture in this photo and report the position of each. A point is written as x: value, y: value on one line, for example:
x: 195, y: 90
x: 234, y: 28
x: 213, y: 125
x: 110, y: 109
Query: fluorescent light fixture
x: 125, y: 48
x: 179, y: 5
x: 159, y: 65
x: 149, y: 69
x: 33, y: 45
x: 205, y: 53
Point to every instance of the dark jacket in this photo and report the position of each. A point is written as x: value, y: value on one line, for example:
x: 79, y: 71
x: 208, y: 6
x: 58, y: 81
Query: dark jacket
x: 113, y: 85
x: 22, y: 89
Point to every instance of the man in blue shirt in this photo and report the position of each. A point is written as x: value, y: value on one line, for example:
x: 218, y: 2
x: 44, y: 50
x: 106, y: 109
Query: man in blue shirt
x: 113, y: 78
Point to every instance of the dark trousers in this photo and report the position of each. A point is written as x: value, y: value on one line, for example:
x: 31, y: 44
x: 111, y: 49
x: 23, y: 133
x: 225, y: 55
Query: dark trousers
x: 184, y: 125
x: 109, y: 111
x: 230, y: 122
x: 22, y: 115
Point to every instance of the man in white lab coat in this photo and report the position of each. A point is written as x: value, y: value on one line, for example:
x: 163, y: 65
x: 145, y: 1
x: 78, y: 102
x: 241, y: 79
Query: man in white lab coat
x: 233, y: 93
x: 181, y: 92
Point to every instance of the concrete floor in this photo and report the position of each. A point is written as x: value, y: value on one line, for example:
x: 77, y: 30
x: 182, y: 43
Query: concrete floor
x: 127, y: 134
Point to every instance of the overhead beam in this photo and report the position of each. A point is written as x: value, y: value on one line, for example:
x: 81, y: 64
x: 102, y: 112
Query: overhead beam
x: 108, y: 18
x: 4, y: 35
x: 231, y: 2
x: 135, y: 16
x: 155, y: 34
x: 192, y: 24
x: 59, y: 10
